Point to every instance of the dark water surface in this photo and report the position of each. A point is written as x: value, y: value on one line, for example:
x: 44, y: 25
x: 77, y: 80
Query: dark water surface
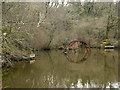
x: 53, y: 69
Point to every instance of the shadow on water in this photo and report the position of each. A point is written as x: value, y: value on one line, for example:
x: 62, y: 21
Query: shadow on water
x: 52, y: 69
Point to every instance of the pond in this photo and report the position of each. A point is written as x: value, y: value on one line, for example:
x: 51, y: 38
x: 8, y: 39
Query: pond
x: 54, y: 69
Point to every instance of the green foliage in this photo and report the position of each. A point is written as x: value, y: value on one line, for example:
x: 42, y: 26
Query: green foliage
x: 88, y: 8
x: 18, y: 34
x: 6, y: 49
x: 65, y: 42
x: 107, y: 42
x: 55, y: 46
x: 6, y: 29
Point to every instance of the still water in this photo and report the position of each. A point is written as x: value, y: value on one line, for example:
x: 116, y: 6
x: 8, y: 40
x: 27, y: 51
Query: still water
x: 54, y: 69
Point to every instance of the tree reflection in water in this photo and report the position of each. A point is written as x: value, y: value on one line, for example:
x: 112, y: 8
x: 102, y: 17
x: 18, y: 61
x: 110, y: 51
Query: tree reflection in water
x: 52, y: 70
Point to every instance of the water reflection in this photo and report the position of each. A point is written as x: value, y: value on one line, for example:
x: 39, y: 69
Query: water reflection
x: 77, y: 56
x: 52, y: 70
